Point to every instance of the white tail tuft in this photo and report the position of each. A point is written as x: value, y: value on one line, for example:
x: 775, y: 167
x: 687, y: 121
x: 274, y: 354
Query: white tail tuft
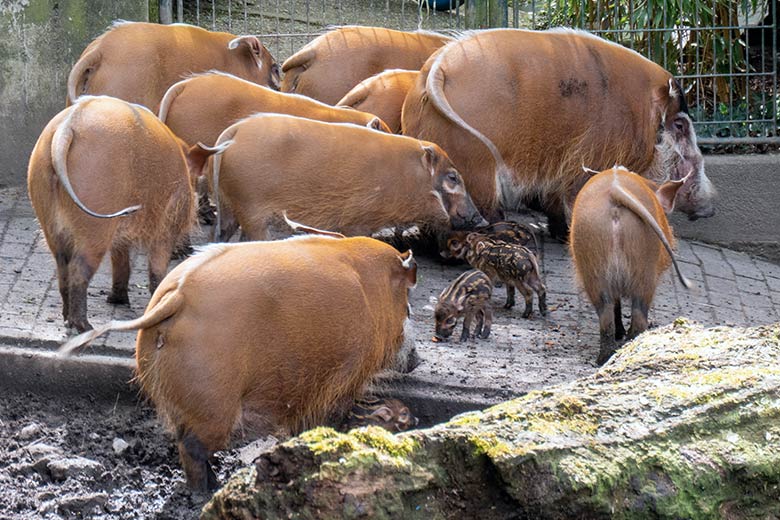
x: 295, y: 226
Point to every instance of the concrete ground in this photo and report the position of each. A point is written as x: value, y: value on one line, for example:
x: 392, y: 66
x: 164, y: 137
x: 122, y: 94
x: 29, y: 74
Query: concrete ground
x: 521, y: 355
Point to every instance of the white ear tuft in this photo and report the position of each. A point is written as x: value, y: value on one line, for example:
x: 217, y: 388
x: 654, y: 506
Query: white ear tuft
x: 408, y: 262
x: 672, y: 91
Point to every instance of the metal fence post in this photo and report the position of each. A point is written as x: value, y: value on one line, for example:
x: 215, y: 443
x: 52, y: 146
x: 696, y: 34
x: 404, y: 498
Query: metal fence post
x: 483, y: 14
x: 166, y: 11
x: 739, y: 52
x: 476, y: 14
x: 498, y: 11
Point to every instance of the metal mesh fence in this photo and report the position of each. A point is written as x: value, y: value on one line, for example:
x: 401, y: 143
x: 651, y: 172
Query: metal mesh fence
x: 724, y: 53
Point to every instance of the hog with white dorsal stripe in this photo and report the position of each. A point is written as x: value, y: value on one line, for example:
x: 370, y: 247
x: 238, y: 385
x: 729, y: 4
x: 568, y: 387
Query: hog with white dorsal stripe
x: 222, y: 351
x: 621, y: 243
x: 107, y: 175
x: 558, y: 99
x: 333, y: 63
x: 138, y: 61
x: 342, y: 177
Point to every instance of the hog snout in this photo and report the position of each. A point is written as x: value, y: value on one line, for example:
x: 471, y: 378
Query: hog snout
x: 702, y: 213
x: 442, y: 335
x: 472, y: 220
x: 698, y: 200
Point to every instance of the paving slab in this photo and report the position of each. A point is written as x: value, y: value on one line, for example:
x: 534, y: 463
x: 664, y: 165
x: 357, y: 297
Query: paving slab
x: 521, y: 355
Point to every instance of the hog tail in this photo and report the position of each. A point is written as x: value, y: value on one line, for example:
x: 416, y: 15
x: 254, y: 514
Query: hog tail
x: 79, y: 74
x: 60, y: 145
x: 624, y: 198
x: 223, y: 142
x: 434, y: 85
x: 170, y: 95
x: 165, y: 307
x: 295, y: 226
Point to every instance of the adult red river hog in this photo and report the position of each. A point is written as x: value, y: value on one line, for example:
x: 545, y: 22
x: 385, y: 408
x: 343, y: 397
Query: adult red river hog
x: 331, y: 64
x: 520, y: 112
x: 621, y: 243
x: 262, y: 338
x: 138, y: 61
x: 382, y: 95
x: 342, y: 177
x: 100, y: 159
x: 199, y: 108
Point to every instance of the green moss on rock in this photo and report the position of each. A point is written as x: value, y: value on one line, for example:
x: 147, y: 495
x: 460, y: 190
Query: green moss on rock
x: 684, y: 422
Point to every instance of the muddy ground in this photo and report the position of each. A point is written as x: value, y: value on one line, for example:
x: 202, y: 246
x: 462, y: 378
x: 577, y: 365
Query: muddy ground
x: 75, y: 457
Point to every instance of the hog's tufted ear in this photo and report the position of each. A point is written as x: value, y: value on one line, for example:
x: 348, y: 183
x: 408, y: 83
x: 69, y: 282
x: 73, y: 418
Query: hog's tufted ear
x: 410, y: 268
x: 383, y: 413
x: 667, y: 192
x: 253, y: 42
x: 430, y: 158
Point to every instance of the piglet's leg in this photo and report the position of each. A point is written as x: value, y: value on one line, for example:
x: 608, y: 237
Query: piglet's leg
x: 467, y: 319
x: 480, y: 322
x: 488, y: 314
x: 541, y: 292
x: 510, y: 295
x: 529, y: 298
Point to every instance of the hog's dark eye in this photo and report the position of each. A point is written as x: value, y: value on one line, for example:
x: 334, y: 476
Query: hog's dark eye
x: 452, y: 177
x: 450, y: 321
x: 679, y: 125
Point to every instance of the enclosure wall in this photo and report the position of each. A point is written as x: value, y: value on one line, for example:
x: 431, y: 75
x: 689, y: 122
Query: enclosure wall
x: 39, y: 42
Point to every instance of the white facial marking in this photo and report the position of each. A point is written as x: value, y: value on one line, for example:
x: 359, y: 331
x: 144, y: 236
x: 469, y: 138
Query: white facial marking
x: 672, y: 91
x: 441, y: 201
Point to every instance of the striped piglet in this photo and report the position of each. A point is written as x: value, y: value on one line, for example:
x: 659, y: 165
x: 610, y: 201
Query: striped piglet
x: 468, y: 296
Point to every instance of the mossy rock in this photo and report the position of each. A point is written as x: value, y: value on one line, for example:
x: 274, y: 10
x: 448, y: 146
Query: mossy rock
x: 683, y: 422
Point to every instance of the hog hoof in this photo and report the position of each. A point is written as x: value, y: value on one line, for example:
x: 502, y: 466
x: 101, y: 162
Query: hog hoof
x: 527, y: 314
x: 509, y: 305
x: 79, y: 326
x: 604, y: 356
x: 485, y: 335
x: 118, y: 299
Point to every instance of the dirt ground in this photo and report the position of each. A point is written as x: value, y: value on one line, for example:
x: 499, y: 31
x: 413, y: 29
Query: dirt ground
x: 80, y: 458
x: 131, y: 468
x: 144, y: 481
